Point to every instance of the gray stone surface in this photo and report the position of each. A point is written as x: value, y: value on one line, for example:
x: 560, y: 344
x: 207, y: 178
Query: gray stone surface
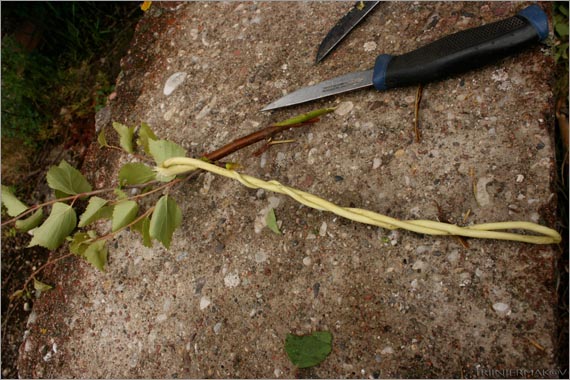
x: 220, y: 302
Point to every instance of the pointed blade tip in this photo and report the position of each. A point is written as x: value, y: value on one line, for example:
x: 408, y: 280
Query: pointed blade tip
x: 268, y: 107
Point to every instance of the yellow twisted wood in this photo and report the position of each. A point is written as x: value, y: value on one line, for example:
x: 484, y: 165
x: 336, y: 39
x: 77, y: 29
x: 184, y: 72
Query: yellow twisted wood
x: 179, y: 165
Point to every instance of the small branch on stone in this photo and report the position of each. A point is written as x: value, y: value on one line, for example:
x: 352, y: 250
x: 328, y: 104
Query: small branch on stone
x: 252, y: 138
x: 417, y: 112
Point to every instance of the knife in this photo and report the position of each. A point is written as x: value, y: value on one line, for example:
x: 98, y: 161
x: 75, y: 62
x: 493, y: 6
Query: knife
x: 452, y: 54
x: 344, y: 26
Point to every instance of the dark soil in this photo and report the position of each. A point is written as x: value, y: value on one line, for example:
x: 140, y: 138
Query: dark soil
x: 17, y: 260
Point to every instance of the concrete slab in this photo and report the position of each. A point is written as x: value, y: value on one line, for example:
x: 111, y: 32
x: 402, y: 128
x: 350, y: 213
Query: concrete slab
x: 220, y: 302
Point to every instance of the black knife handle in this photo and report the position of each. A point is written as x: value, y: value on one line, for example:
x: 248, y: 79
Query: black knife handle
x: 462, y: 51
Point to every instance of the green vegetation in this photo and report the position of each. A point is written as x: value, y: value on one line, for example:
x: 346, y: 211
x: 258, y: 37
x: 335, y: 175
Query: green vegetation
x: 61, y: 65
x: 560, y: 22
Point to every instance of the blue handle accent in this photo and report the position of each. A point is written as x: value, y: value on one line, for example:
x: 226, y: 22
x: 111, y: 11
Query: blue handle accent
x: 536, y: 16
x: 379, y: 74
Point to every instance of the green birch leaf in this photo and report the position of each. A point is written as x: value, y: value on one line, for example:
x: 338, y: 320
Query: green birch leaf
x: 96, y: 255
x: 125, y: 136
x: 66, y: 179
x: 162, y: 150
x: 135, y: 173
x: 165, y: 219
x: 271, y: 222
x: 145, y: 134
x: 33, y: 221
x: 93, y: 211
x: 143, y: 226
x: 41, y: 287
x: 101, y: 139
x: 59, y: 224
x: 13, y: 205
x: 308, y: 350
x: 124, y: 213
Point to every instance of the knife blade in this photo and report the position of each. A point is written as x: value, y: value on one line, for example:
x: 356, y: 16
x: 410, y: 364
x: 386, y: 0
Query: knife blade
x: 341, y: 29
x: 452, y: 54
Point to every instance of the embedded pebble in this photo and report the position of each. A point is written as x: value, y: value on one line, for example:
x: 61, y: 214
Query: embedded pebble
x: 307, y: 261
x: 277, y: 372
x: 479, y: 273
x: 312, y: 156
x: 376, y: 163
x: 161, y: 318
x: 217, y: 328
x: 370, y: 46
x: 502, y: 309
x: 499, y: 75
x: 387, y: 350
x: 28, y: 346
x: 323, y: 229
x: 168, y: 114
x: 520, y: 178
x: 181, y: 256
x: 482, y: 196
x: 344, y: 108
x: 207, y: 108
x: 464, y: 279
x: 453, y: 256
x: 263, y: 160
x: 204, y: 302
x: 232, y: 280
x: 32, y: 318
x: 173, y: 82
x: 420, y: 266
x: 47, y: 357
x: 393, y: 236
x: 260, y: 257
x: 414, y: 283
x: 208, y: 177
x: 420, y: 250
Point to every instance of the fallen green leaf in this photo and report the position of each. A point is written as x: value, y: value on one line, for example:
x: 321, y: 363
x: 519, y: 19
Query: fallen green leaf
x: 165, y: 219
x: 52, y: 233
x: 67, y: 180
x: 308, y: 350
x: 271, y: 222
x: 13, y: 205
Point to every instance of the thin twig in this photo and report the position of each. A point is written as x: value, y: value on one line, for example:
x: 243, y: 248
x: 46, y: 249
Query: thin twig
x: 72, y: 198
x: 110, y: 234
x: 252, y: 138
x: 417, y: 112
x: 33, y: 275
